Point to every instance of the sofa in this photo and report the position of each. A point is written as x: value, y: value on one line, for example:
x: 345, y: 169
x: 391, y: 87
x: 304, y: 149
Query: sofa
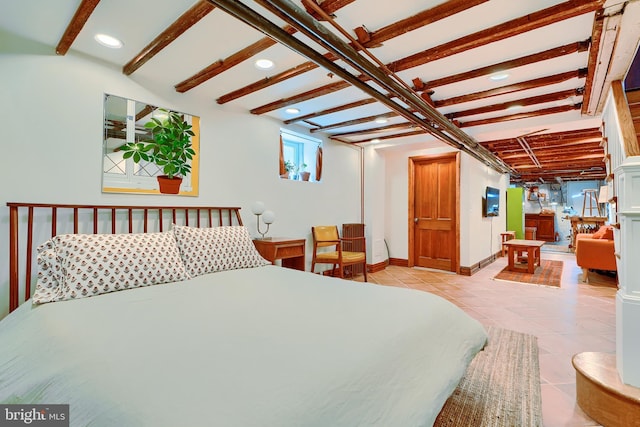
x: 596, y: 251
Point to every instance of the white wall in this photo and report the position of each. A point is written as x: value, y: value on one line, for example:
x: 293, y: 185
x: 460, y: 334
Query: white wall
x: 479, y: 236
x: 52, y: 112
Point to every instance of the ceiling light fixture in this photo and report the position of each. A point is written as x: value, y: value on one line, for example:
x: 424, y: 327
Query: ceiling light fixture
x: 108, y: 41
x: 375, y: 140
x: 264, y: 64
x: 292, y: 111
x: 499, y: 76
x: 381, y: 120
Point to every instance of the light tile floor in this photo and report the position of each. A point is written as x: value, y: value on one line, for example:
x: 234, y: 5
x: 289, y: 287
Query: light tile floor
x: 571, y: 319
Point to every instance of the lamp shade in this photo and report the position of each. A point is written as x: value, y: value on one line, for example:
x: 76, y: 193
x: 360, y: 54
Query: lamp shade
x: 268, y: 217
x: 257, y: 208
x: 603, y: 196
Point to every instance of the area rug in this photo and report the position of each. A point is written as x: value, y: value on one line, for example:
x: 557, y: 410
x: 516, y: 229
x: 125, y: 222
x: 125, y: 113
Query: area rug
x: 501, y: 387
x: 548, y: 274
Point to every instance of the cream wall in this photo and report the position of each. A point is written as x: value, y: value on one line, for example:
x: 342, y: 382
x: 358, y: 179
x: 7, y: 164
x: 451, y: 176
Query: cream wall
x: 479, y: 236
x: 52, y: 112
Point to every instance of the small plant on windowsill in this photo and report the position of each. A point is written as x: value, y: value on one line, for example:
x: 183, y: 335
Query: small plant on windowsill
x: 304, y: 174
x: 170, y: 149
x: 290, y: 167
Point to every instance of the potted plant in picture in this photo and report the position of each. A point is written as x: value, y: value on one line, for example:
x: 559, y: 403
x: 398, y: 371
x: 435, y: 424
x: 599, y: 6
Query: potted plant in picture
x: 289, y: 167
x: 304, y: 174
x: 170, y: 149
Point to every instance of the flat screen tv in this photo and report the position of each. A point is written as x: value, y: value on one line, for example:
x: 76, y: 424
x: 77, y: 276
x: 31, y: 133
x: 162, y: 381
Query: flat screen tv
x: 492, y: 205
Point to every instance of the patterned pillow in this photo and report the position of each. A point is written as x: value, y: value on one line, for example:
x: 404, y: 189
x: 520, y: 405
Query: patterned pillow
x: 94, y: 264
x: 208, y: 250
x: 48, y: 287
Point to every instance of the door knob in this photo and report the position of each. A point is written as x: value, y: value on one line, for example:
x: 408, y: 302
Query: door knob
x: 415, y: 220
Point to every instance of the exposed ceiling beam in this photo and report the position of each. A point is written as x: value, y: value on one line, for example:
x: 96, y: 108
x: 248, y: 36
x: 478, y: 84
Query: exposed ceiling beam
x: 172, y: 32
x: 533, y: 100
x: 331, y: 110
x: 84, y: 11
x: 516, y: 87
x: 543, y: 112
x: 532, y: 21
x: 416, y: 21
x: 355, y: 122
x: 597, y: 71
x: 513, y: 63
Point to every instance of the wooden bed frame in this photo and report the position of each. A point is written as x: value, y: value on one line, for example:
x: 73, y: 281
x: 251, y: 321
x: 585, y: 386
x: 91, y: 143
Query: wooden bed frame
x: 96, y: 219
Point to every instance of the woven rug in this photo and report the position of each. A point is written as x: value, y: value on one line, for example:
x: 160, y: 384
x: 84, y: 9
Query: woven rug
x: 501, y: 387
x: 549, y: 274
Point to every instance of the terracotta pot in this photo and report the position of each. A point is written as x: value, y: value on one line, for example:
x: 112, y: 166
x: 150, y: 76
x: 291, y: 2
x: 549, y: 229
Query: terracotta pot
x: 169, y: 185
x: 305, y: 175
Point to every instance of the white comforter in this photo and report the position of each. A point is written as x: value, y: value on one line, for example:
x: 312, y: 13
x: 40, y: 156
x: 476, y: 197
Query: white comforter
x: 256, y: 347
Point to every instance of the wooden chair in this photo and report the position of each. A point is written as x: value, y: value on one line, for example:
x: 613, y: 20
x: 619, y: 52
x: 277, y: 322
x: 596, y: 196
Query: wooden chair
x: 326, y: 236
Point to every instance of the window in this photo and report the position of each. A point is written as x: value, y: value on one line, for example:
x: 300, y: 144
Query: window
x: 299, y: 157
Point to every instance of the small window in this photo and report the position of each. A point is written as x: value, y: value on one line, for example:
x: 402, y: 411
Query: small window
x: 299, y: 156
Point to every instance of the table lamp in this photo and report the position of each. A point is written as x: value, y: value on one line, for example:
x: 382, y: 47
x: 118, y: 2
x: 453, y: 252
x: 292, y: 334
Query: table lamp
x: 268, y: 217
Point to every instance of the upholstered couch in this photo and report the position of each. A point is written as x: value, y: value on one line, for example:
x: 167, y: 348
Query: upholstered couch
x: 596, y: 251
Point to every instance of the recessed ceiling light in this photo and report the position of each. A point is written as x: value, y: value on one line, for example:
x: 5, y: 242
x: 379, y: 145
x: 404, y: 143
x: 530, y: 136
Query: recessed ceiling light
x: 292, y: 111
x: 499, y: 76
x: 375, y: 140
x: 108, y: 41
x: 264, y: 64
x: 381, y: 120
x: 514, y: 107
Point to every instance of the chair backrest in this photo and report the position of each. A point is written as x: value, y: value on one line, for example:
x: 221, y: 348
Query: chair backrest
x: 325, y: 235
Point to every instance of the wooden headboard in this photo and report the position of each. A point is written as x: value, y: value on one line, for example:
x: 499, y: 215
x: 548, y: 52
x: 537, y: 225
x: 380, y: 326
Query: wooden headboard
x: 93, y: 219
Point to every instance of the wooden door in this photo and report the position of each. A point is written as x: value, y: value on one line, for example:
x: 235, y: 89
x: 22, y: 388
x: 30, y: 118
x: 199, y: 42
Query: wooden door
x: 434, y: 212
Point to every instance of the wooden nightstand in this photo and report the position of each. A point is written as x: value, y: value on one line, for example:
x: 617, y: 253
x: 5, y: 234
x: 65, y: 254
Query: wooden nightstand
x: 291, y: 252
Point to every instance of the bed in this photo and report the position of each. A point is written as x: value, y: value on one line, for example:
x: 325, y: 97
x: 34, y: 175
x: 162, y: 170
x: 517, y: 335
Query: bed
x: 234, y: 342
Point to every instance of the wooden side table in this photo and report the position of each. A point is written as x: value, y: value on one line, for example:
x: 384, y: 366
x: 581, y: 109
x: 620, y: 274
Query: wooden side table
x: 290, y: 252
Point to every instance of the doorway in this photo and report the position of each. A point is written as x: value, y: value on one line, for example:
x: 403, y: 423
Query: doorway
x: 434, y: 211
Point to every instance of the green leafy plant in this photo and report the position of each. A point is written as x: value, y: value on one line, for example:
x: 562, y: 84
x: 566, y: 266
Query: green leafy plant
x: 170, y: 148
x: 289, y: 166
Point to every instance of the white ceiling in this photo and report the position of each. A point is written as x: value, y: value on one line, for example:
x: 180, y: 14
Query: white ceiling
x: 219, y: 35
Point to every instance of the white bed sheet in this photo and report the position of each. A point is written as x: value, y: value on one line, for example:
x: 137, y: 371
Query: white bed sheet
x: 264, y: 346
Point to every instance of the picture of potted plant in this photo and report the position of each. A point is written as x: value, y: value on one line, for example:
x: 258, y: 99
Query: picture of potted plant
x: 304, y: 175
x: 170, y: 149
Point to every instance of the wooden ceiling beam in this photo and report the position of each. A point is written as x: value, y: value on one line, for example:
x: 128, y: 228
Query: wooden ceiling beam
x: 172, y: 32
x: 375, y: 130
x: 329, y: 6
x: 516, y: 87
x: 533, y: 100
x: 313, y: 93
x: 592, y: 62
x: 543, y: 112
x: 555, y: 52
x: 533, y: 21
x: 331, y: 110
x: 80, y: 17
x: 421, y: 19
x: 553, y: 136
x: 307, y: 66
x: 229, y: 62
x: 394, y: 136
x: 514, y: 146
x: 354, y: 122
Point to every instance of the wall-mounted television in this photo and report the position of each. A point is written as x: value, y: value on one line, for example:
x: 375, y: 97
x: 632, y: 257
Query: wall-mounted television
x: 492, y: 202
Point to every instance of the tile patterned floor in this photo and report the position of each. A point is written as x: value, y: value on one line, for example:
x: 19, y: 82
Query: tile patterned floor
x: 577, y: 317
